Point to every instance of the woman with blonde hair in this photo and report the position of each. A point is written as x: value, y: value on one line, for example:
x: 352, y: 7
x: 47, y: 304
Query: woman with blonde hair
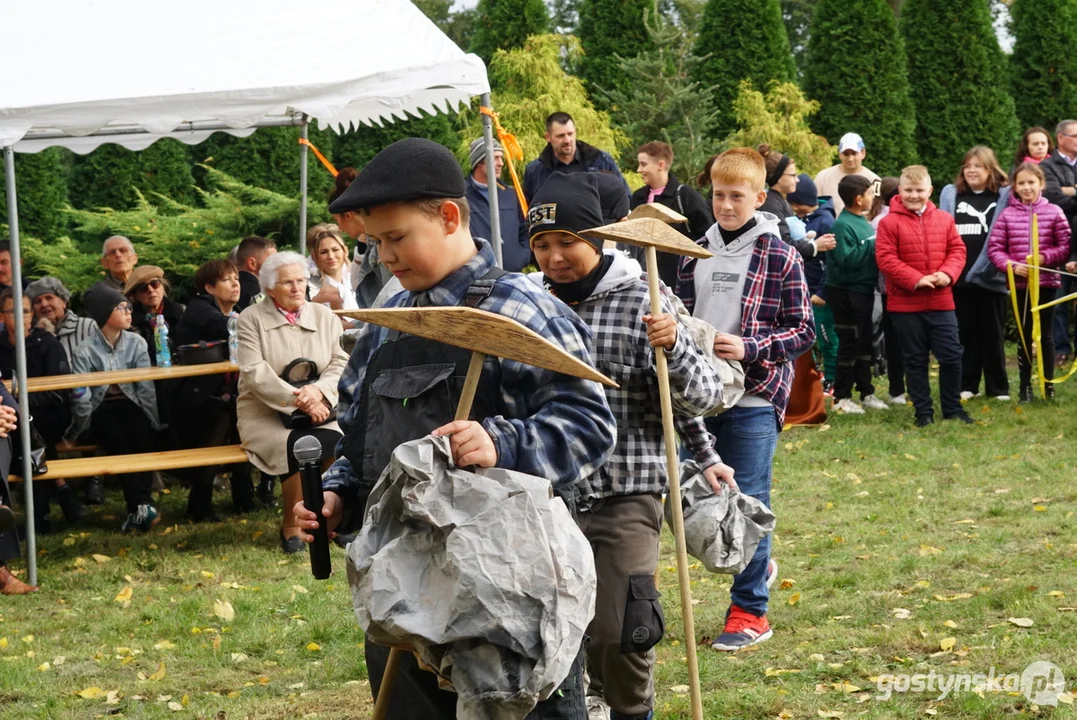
x: 977, y: 196
x: 330, y: 281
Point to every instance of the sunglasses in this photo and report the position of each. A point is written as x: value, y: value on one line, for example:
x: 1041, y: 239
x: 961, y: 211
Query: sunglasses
x: 155, y: 283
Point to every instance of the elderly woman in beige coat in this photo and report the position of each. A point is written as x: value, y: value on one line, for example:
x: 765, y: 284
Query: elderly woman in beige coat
x: 282, y: 328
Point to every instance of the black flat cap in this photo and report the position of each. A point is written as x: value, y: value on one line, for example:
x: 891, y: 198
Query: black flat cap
x: 409, y: 169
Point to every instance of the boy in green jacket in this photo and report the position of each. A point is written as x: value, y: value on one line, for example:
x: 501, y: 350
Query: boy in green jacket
x: 850, y: 287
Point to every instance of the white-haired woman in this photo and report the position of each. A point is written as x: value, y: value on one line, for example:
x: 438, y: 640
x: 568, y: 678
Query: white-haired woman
x: 272, y: 334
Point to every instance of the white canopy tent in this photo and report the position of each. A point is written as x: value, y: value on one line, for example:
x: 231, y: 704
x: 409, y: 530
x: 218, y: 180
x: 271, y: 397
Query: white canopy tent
x: 131, y: 73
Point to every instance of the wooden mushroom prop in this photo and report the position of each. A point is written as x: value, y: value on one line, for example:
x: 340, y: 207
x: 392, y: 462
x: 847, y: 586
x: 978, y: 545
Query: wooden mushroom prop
x: 483, y: 333
x: 648, y: 226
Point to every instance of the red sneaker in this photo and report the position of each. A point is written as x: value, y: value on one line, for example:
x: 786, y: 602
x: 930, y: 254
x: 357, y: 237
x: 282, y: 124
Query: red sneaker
x: 742, y: 629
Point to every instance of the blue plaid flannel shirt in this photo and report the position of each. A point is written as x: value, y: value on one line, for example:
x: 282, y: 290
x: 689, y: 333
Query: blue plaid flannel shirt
x: 556, y: 426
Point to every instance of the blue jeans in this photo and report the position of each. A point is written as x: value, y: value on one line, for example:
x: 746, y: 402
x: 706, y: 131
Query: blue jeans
x: 1061, y: 325
x: 746, y: 440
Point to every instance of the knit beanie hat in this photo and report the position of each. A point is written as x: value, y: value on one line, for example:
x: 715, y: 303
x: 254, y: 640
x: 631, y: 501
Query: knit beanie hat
x: 99, y: 302
x: 567, y: 203
x: 47, y: 285
x: 477, y: 152
x: 806, y: 192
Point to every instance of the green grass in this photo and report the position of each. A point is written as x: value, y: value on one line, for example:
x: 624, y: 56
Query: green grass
x: 873, y: 516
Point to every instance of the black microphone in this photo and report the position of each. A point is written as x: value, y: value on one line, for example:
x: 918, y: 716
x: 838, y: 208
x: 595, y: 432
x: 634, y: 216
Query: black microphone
x: 308, y: 454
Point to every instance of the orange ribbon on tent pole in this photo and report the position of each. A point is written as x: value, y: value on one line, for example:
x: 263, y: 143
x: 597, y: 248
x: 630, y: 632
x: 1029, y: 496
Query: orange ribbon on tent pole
x: 512, y: 150
x: 317, y: 153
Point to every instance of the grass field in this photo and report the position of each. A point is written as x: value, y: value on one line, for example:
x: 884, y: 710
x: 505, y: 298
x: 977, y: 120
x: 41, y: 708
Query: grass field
x: 901, y: 551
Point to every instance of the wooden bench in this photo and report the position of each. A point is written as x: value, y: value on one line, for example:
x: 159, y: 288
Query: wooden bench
x: 101, y: 465
x: 141, y: 462
x: 110, y: 377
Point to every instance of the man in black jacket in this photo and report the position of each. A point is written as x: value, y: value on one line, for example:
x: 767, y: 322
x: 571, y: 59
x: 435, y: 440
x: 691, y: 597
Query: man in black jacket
x: 251, y: 253
x: 564, y: 153
x: 51, y: 411
x: 662, y: 187
x: 1060, y: 169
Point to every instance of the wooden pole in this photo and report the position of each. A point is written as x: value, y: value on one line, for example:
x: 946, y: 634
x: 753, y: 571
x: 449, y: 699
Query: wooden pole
x: 463, y: 410
x: 673, y: 470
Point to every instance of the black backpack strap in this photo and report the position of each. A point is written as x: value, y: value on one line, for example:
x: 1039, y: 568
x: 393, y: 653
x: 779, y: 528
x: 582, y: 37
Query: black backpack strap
x: 481, y: 288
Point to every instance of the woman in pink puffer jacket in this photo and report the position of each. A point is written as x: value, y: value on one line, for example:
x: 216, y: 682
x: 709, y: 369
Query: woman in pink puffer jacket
x: 1011, y: 243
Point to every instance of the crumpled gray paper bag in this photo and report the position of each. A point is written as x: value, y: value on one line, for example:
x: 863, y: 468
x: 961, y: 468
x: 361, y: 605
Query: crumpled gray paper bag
x: 485, y: 575
x: 721, y: 531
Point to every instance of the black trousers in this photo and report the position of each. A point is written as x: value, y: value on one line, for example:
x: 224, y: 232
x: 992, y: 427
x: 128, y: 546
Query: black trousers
x: 1047, y: 337
x: 921, y: 335
x: 895, y: 361
x: 121, y: 428
x: 416, y: 695
x: 852, y: 321
x: 9, y: 541
x: 980, y: 325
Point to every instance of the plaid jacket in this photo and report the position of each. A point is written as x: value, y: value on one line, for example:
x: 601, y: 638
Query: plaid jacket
x: 614, y: 312
x: 556, y: 427
x: 776, y: 323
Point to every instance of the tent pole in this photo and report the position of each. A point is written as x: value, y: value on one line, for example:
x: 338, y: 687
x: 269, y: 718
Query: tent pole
x: 491, y: 182
x: 303, y: 188
x: 20, y: 364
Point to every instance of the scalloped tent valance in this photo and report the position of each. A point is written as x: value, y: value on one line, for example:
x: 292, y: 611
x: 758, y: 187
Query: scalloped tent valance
x: 126, y: 70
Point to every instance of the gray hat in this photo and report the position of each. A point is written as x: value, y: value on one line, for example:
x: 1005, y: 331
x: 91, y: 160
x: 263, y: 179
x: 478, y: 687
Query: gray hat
x: 47, y: 285
x: 477, y: 152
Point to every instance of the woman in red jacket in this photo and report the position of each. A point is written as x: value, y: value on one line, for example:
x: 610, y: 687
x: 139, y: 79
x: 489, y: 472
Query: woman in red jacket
x: 1010, y: 243
x: 920, y: 254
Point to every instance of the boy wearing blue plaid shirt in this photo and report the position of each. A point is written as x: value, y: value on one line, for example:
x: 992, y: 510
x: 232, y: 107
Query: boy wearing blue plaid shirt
x: 753, y: 292
x: 527, y: 419
x: 620, y: 505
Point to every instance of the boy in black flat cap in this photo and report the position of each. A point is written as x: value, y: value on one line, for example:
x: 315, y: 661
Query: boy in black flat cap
x: 527, y: 419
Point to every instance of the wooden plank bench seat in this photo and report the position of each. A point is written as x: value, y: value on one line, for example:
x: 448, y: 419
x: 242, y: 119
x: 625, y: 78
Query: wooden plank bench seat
x: 141, y: 462
x: 70, y: 382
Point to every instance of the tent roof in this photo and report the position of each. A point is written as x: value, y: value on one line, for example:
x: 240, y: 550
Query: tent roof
x: 128, y: 66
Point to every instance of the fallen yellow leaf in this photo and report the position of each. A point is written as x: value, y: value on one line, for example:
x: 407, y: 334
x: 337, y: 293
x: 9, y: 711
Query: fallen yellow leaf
x: 929, y: 550
x: 679, y: 689
x: 124, y: 595
x: 794, y: 598
x: 950, y: 624
x: 159, y: 673
x: 830, y: 714
x: 314, y: 647
x: 1021, y: 622
x: 91, y: 693
x: 207, y: 574
x: 300, y: 589
x: 224, y: 610
x: 164, y: 645
x: 101, y: 559
x: 787, y: 584
x: 44, y: 666
x: 947, y: 644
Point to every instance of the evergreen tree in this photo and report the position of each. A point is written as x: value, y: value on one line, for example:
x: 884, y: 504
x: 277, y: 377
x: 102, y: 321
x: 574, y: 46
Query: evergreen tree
x: 357, y: 147
x: 1044, y: 62
x: 779, y: 118
x: 531, y: 83
x: 506, y: 24
x: 109, y: 175
x: 663, y: 103
x: 866, y: 91
x: 608, y: 28
x: 269, y: 159
x: 741, y: 40
x: 41, y: 188
x: 797, y: 15
x: 958, y: 82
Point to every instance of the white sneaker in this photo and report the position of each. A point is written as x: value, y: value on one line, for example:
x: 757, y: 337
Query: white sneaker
x: 772, y: 573
x: 1002, y: 398
x: 847, y: 406
x: 966, y: 395
x: 873, y: 403
x: 899, y: 400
